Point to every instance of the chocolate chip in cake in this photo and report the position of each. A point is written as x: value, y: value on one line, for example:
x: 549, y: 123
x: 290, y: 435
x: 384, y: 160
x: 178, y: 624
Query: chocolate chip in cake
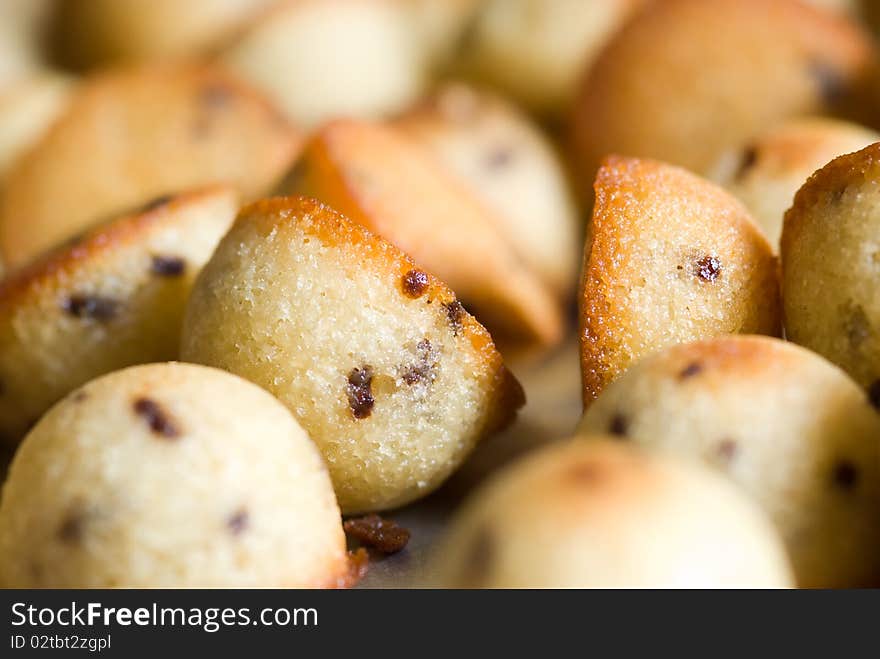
x: 415, y: 283
x: 93, y: 307
x: 360, y: 392
x: 727, y: 449
x: 159, y: 420
x: 499, y: 158
x: 454, y: 313
x: 836, y: 195
x: 238, y: 522
x: 618, y: 426
x: 846, y: 475
x: 71, y: 529
x: 167, y: 266
x: 425, y: 368
x: 689, y: 371
x: 708, y: 268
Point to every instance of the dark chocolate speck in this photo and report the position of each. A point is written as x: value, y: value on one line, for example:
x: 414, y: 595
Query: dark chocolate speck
x: 71, y: 529
x: 727, y: 449
x: 415, y: 283
x: 377, y: 532
x: 238, y: 522
x: 360, y: 393
x: 846, y: 475
x: 618, y: 426
x: 424, y: 369
x: 168, y: 266
x: 157, y: 418
x: 93, y: 307
x: 454, y: 313
x: 499, y: 158
x: 708, y: 268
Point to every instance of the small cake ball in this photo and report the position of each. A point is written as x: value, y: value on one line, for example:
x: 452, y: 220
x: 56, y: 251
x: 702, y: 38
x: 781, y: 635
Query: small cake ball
x: 131, y: 135
x: 685, y: 81
x: 376, y: 358
x: 537, y: 50
x: 791, y: 429
x: 831, y: 266
x: 113, y: 297
x: 324, y: 59
x: 670, y: 258
x: 603, y: 515
x: 169, y: 475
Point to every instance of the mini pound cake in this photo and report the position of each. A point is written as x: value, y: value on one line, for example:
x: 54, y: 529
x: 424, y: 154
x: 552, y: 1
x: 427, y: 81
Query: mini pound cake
x: 791, y: 429
x: 169, y: 475
x: 686, y: 81
x: 768, y: 171
x: 129, y: 136
x: 325, y: 59
x: 98, y: 33
x: 381, y: 178
x: 831, y: 265
x: 505, y: 161
x: 670, y: 258
x: 375, y: 357
x: 114, y: 297
x: 537, y: 50
x: 603, y: 515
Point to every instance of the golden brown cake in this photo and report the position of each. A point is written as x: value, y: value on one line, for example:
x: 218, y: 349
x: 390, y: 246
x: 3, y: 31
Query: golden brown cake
x: 671, y: 258
x: 113, y: 297
x: 831, y: 265
x: 169, y: 475
x: 324, y: 59
x: 536, y: 50
x: 688, y: 80
x: 127, y: 137
x: 602, y: 515
x: 788, y: 427
x: 375, y: 357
